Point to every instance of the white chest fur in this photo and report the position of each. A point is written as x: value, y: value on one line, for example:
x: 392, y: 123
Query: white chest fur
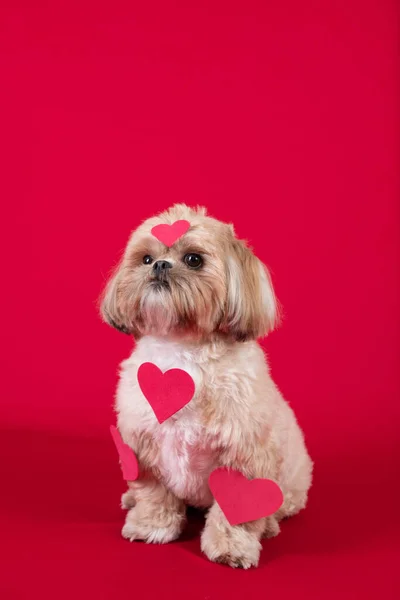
x: 186, y: 456
x: 186, y: 461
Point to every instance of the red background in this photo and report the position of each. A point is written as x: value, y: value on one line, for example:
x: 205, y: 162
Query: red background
x: 280, y: 116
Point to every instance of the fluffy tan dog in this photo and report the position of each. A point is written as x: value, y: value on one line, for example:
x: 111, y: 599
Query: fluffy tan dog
x: 199, y: 306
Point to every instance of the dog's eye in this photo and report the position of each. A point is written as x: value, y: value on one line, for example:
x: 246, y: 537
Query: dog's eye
x: 147, y: 260
x: 194, y: 261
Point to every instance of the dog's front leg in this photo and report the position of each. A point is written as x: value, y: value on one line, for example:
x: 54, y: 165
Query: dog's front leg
x: 239, y: 545
x: 234, y: 545
x: 158, y: 516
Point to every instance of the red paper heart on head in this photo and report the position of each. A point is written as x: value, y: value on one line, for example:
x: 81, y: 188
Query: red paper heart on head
x: 165, y: 392
x: 168, y: 234
x: 127, y: 457
x: 243, y: 500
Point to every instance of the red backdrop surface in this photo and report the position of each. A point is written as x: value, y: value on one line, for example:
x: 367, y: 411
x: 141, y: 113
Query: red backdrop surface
x: 280, y: 116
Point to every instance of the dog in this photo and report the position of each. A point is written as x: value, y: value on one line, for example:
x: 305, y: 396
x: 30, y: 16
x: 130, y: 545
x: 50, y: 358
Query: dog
x: 200, y: 305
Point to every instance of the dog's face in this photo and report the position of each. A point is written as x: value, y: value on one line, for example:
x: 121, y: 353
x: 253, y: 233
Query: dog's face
x: 206, y: 282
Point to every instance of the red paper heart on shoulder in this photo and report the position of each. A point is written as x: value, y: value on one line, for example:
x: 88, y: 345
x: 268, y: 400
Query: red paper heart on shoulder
x: 168, y: 234
x: 127, y: 457
x: 243, y: 500
x: 165, y: 392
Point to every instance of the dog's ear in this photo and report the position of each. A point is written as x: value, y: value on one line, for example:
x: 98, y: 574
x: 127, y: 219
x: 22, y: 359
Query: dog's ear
x: 111, y: 306
x: 251, y: 307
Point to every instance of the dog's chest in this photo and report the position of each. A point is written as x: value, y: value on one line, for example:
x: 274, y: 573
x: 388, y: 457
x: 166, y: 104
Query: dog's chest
x: 186, y: 460
x: 186, y: 456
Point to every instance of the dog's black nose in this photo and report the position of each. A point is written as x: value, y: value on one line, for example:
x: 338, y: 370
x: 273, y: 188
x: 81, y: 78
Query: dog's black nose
x: 160, y: 267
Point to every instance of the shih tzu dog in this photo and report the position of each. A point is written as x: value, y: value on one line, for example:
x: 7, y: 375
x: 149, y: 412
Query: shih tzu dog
x: 200, y: 306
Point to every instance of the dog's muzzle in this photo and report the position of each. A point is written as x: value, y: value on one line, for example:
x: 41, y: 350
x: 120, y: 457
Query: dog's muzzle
x: 160, y: 269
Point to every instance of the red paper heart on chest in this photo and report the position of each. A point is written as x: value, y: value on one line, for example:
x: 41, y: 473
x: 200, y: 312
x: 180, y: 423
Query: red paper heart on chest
x: 242, y: 500
x: 165, y: 392
x: 168, y: 234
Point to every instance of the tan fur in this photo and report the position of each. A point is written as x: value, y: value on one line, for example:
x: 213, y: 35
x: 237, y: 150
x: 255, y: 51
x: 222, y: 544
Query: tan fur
x: 204, y: 322
x: 245, y: 314
x: 147, y: 451
x: 225, y: 295
x: 157, y: 517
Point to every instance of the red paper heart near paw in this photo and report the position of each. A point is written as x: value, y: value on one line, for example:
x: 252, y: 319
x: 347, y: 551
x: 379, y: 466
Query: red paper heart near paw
x: 243, y: 500
x: 168, y: 234
x: 165, y: 392
x: 127, y: 457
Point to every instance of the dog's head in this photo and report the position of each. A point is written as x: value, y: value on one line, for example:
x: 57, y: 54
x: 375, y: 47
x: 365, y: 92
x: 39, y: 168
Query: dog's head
x: 207, y: 281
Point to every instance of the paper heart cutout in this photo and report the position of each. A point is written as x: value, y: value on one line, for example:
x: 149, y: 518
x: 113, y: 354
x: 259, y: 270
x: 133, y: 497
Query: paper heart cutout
x: 168, y: 234
x: 127, y: 457
x: 243, y: 500
x: 165, y: 392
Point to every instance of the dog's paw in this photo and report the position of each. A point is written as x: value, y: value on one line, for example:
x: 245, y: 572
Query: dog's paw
x: 150, y: 532
x: 272, y: 528
x: 237, y: 547
x: 127, y: 500
x: 236, y: 562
